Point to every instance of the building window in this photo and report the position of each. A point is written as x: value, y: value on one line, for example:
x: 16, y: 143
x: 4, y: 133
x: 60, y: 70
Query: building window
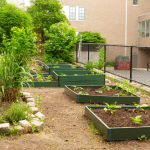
x: 81, y: 13
x: 144, y: 29
x: 72, y: 13
x: 135, y: 2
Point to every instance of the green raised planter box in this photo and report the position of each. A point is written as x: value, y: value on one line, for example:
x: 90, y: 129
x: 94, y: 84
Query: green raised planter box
x: 99, y: 99
x: 41, y: 84
x: 81, y: 79
x: 116, y: 133
x: 70, y: 69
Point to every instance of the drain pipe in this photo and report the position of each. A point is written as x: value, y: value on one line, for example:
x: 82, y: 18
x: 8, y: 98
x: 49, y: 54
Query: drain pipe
x: 126, y: 17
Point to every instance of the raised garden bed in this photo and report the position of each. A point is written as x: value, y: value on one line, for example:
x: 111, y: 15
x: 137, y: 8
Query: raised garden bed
x: 119, y: 132
x: 95, y: 95
x: 79, y: 77
x: 41, y: 83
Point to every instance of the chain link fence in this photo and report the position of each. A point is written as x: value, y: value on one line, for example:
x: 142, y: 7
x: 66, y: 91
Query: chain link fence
x: 129, y: 62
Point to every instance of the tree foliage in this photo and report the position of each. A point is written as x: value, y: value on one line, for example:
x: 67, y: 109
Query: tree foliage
x: 2, y: 3
x: 91, y: 37
x: 12, y: 16
x: 60, y: 45
x: 45, y: 13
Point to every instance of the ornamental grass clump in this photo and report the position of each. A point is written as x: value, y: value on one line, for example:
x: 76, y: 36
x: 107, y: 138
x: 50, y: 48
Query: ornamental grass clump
x: 18, y: 111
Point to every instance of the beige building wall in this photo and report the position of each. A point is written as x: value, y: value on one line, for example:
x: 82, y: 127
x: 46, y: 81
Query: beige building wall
x: 108, y: 18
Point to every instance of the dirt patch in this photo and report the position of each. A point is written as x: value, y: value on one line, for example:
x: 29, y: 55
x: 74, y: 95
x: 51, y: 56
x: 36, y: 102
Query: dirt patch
x: 121, y: 117
x: 44, y: 79
x: 65, y: 127
x: 100, y: 91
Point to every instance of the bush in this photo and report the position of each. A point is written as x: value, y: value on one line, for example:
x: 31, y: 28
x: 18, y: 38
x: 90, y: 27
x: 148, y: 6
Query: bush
x: 91, y: 37
x: 12, y: 16
x: 90, y: 65
x: 60, y: 45
x: 18, y: 111
x: 110, y: 63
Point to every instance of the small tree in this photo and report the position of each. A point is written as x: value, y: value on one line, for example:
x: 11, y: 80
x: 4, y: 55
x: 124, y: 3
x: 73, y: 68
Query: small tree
x: 12, y: 16
x: 60, y: 45
x: 91, y: 37
x: 45, y: 13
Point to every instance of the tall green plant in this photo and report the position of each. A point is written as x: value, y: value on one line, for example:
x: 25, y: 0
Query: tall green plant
x: 101, y: 58
x: 60, y: 45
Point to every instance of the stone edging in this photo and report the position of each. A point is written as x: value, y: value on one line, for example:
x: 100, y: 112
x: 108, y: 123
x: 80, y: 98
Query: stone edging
x: 25, y: 126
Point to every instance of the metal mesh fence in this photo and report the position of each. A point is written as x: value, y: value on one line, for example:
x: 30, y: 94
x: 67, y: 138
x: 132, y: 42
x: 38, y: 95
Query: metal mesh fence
x: 129, y: 62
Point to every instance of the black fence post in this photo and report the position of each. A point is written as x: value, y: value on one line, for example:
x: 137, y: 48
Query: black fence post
x: 76, y: 52
x: 104, y: 58
x: 88, y: 52
x: 131, y: 64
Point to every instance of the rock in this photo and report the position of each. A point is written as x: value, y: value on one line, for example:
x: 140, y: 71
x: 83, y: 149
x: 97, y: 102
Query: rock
x: 4, y: 127
x: 20, y: 129
x: 31, y: 104
x: 32, y: 116
x: 26, y: 94
x: 40, y: 115
x: 67, y: 140
x: 37, y: 123
x: 30, y: 100
x: 35, y: 119
x: 26, y: 125
x: 34, y: 109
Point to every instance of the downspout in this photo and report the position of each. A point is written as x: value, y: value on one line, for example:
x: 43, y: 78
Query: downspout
x: 126, y: 19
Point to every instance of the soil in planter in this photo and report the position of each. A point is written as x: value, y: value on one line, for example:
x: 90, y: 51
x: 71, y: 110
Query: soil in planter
x: 44, y: 79
x: 121, y: 117
x: 92, y: 91
x: 42, y: 71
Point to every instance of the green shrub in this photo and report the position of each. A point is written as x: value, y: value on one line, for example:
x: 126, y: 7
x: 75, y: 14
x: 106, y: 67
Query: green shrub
x: 101, y: 59
x: 91, y: 37
x: 18, y: 111
x: 12, y: 16
x: 110, y: 63
x: 60, y: 45
x: 90, y: 65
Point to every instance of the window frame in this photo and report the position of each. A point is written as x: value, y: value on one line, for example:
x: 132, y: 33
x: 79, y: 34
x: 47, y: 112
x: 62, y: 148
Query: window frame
x: 136, y: 3
x: 81, y: 13
x: 70, y: 12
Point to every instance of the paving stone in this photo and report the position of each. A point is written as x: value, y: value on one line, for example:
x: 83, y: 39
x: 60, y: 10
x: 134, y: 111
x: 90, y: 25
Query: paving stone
x: 26, y: 94
x: 20, y: 129
x: 40, y: 115
x: 34, y: 109
x: 4, y: 127
x: 32, y: 116
x: 35, y: 119
x: 30, y: 100
x: 31, y: 104
x: 38, y: 124
x: 26, y: 125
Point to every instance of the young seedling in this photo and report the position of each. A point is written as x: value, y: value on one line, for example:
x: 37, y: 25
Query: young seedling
x: 117, y: 87
x: 136, y: 120
x: 120, y: 94
x: 98, y: 72
x: 106, y: 88
x: 39, y: 77
x: 81, y: 92
x: 111, y: 108
x: 62, y: 74
x: 98, y: 91
x: 132, y: 91
x: 92, y: 72
x: 56, y: 67
x: 143, y: 137
x: 73, y: 66
x: 49, y: 78
x: 140, y: 106
x: 38, y: 100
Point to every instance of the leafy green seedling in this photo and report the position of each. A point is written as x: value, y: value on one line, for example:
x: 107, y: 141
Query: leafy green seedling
x: 98, y: 91
x: 81, y: 92
x: 106, y: 88
x: 110, y: 108
x: 86, y: 74
x: 98, y: 72
x: 143, y: 137
x: 62, y: 74
x: 73, y: 66
x: 76, y: 88
x: 92, y: 72
x: 140, y: 106
x: 49, y: 78
x: 136, y: 120
x: 73, y: 86
x: 39, y: 77
x: 120, y: 94
x: 75, y: 74
x: 56, y: 67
